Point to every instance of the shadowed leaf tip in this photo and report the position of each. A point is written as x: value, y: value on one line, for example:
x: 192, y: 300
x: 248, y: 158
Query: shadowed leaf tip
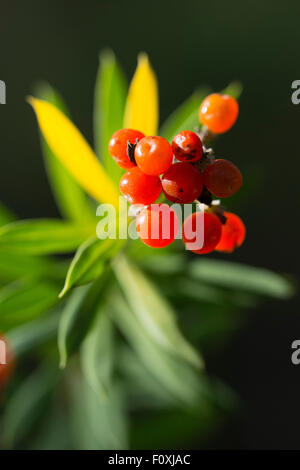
x: 107, y: 54
x: 143, y: 58
x: 30, y: 100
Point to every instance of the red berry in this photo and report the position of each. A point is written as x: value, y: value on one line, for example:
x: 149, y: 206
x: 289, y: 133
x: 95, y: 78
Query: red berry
x: 6, y: 355
x: 157, y: 225
x: 233, y: 233
x: 222, y: 178
x: 153, y: 155
x: 139, y: 188
x: 187, y: 146
x: 118, y: 146
x: 201, y: 232
x: 182, y: 183
x: 218, y: 112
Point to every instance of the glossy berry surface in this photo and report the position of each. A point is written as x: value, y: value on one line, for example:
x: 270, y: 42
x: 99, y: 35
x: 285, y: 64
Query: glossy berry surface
x: 233, y: 233
x: 182, y: 183
x: 118, y: 146
x: 222, y: 178
x: 153, y: 155
x: 218, y: 112
x: 139, y: 188
x: 201, y: 232
x: 157, y: 225
x: 6, y: 370
x: 187, y: 146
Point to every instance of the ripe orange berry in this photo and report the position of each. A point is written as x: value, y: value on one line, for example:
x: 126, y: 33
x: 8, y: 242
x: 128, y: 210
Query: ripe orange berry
x: 153, y: 155
x: 233, y: 233
x: 157, y: 225
x: 6, y: 369
x: 139, y: 188
x: 222, y: 178
x: 218, y: 112
x: 182, y: 183
x: 187, y: 146
x: 201, y: 232
x: 118, y: 146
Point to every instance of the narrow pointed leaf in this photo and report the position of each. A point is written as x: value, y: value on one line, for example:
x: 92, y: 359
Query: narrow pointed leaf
x: 110, y: 96
x: 99, y: 424
x: 27, y: 404
x: 68, y: 144
x: 242, y: 277
x: 43, y: 236
x: 89, y: 262
x: 234, y: 89
x: 141, y: 110
x: 77, y: 317
x: 31, y: 335
x: 97, y: 355
x: 16, y: 265
x: 20, y: 303
x: 143, y: 388
x: 70, y: 197
x: 153, y: 311
x: 172, y: 373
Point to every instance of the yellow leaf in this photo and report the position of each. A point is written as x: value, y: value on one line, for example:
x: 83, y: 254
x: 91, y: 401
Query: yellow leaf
x: 70, y: 147
x: 141, y: 110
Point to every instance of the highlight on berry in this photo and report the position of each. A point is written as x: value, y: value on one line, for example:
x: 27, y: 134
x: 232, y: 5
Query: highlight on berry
x: 184, y: 172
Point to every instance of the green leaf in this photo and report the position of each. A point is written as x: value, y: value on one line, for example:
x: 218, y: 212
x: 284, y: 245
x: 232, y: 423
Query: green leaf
x: 98, y: 424
x: 54, y: 430
x: 175, y: 375
x: 43, y: 236
x: 33, y: 334
x: 19, y: 266
x: 6, y: 216
x: 89, y: 262
x: 143, y: 389
x: 167, y: 264
x: 241, y: 277
x: 97, y: 355
x: 234, y: 89
x: 72, y: 201
x: 185, y: 117
x: 153, y: 311
x: 190, y: 289
x: 20, y: 302
x: 110, y: 96
x: 77, y: 317
x: 27, y: 404
x: 67, y: 322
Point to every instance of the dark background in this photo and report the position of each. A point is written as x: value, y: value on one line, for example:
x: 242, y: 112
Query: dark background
x: 190, y: 43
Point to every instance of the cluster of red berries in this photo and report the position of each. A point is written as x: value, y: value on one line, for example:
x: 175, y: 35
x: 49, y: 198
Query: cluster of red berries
x: 185, y: 172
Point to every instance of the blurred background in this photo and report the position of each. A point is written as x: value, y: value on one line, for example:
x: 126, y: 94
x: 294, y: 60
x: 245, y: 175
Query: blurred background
x: 190, y: 43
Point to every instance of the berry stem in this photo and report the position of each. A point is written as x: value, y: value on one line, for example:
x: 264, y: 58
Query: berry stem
x: 208, y: 157
x: 205, y: 134
x: 130, y: 151
x: 219, y: 211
